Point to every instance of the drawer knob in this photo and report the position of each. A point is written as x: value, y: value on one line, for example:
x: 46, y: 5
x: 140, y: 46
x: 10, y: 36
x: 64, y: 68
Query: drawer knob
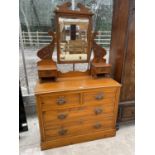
x: 99, y: 96
x: 62, y: 132
x: 62, y: 116
x: 98, y: 111
x: 97, y: 125
x: 61, y: 100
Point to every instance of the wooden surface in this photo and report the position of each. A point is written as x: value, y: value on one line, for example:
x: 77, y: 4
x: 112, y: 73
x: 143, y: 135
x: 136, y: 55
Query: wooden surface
x: 118, y: 38
x: 64, y: 8
x: 98, y: 64
x: 126, y: 111
x: 46, y: 65
x: 99, y: 51
x: 76, y: 105
x: 66, y: 105
x: 46, y: 69
x: 46, y: 52
x: 45, y: 72
x: 78, y: 139
x: 77, y: 83
x: 122, y: 53
x: 100, y: 68
x: 128, y: 75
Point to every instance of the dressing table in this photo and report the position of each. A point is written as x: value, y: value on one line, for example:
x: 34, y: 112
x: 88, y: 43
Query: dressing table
x: 75, y: 106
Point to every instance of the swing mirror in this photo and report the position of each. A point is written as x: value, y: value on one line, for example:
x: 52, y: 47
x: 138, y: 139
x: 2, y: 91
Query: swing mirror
x: 73, y: 29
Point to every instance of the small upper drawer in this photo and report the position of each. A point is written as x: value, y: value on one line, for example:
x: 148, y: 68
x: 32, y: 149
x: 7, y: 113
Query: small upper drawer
x: 47, y: 73
x: 99, y: 95
x: 103, y: 69
x: 56, y: 101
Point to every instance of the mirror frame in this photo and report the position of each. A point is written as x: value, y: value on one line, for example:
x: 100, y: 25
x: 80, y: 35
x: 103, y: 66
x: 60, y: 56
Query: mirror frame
x: 63, y: 11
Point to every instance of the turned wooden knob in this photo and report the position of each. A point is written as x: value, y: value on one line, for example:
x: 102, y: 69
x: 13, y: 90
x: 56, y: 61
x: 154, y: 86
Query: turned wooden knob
x: 98, y: 111
x: 97, y: 125
x: 62, y: 116
x: 62, y: 132
x: 99, y: 96
x: 61, y: 100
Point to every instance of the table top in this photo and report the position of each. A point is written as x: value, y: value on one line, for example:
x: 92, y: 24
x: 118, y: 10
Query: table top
x: 75, y: 83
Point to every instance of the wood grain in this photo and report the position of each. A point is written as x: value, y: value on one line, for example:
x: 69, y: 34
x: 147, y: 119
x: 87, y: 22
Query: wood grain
x: 71, y: 84
x: 77, y: 139
x: 88, y: 126
x: 122, y: 54
x: 72, y: 114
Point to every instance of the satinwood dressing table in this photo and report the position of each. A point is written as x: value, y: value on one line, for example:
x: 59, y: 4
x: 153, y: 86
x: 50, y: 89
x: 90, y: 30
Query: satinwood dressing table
x: 76, y: 106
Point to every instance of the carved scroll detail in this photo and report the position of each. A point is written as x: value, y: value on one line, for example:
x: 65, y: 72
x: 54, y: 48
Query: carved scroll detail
x: 99, y: 52
x: 82, y: 8
x: 47, y: 51
x: 66, y: 7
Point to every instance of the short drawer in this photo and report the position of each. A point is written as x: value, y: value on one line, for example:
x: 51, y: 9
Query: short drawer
x: 59, y: 117
x: 82, y: 127
x: 99, y: 95
x: 47, y: 73
x: 103, y: 69
x: 56, y: 101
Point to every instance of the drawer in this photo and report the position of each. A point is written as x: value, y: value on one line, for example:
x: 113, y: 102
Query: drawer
x: 82, y: 127
x: 47, y: 73
x: 59, y: 117
x: 56, y: 101
x: 103, y: 69
x: 68, y: 106
x: 99, y: 95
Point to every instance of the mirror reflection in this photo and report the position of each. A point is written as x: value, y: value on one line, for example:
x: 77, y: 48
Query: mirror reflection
x: 73, y: 39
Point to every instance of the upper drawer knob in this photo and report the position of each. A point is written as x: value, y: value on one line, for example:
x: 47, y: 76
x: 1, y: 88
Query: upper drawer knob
x: 99, y: 96
x: 61, y: 100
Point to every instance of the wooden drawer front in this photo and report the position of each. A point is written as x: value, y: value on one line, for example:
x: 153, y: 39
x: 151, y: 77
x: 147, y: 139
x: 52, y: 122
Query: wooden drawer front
x: 47, y: 73
x: 52, y: 101
x: 76, y: 104
x: 99, y: 95
x: 103, y: 69
x: 58, y: 117
x: 79, y: 128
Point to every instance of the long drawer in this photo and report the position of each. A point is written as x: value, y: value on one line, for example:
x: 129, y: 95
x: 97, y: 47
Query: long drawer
x: 86, y: 125
x: 62, y: 116
x: 76, y: 121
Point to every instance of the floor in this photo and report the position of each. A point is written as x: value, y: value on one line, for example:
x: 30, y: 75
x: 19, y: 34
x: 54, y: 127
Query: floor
x: 121, y: 144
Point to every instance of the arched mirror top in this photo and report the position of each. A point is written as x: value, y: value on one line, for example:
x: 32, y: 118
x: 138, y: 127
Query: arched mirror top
x: 68, y: 8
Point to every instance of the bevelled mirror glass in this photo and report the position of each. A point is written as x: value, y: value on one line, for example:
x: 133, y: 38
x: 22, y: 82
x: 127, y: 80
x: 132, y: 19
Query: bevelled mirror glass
x: 73, y: 39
